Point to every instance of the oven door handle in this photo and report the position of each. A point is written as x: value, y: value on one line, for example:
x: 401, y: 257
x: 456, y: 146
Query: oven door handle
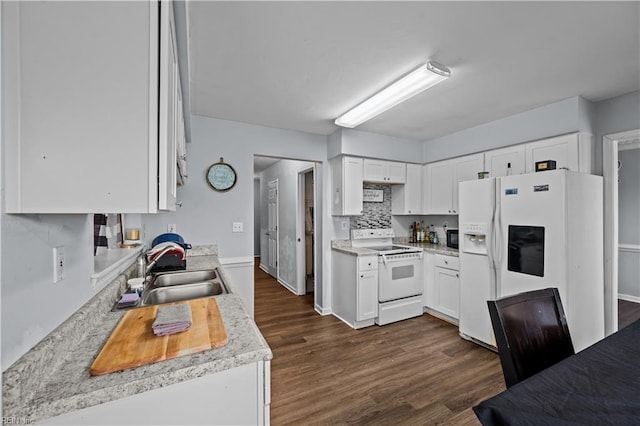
x: 384, y: 258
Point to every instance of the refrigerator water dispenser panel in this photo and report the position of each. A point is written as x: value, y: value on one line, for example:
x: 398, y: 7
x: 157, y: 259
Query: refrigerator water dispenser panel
x: 475, y: 238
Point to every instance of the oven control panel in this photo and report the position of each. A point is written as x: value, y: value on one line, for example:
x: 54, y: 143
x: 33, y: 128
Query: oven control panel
x: 361, y: 234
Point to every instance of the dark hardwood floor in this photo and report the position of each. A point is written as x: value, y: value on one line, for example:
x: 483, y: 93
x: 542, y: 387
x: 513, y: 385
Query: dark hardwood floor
x: 417, y: 371
x: 628, y: 312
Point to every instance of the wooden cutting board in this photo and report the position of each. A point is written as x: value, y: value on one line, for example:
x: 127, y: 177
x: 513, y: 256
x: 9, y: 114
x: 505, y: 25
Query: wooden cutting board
x: 133, y: 343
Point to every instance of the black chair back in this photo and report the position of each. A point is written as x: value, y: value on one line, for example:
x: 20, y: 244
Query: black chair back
x: 531, y: 333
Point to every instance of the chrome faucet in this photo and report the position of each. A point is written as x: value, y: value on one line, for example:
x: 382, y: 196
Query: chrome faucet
x: 151, y: 264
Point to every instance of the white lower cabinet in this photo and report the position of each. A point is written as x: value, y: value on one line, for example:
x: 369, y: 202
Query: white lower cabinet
x: 355, y: 289
x: 240, y: 395
x: 442, y: 286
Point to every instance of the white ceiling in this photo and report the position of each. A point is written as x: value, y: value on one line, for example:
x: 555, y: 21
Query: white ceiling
x: 299, y: 65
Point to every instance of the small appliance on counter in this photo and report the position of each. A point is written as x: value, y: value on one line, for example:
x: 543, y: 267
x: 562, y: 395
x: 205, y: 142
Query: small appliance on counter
x: 452, y: 238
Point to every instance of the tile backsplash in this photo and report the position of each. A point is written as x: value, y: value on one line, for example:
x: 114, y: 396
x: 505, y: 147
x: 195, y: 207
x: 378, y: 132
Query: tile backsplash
x: 375, y: 215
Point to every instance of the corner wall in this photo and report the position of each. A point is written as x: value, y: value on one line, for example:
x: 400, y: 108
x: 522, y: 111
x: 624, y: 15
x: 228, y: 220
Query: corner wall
x: 206, y: 216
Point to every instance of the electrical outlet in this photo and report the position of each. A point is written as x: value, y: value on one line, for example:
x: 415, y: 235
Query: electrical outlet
x: 58, y: 263
x: 237, y: 227
x: 172, y: 228
x: 345, y: 225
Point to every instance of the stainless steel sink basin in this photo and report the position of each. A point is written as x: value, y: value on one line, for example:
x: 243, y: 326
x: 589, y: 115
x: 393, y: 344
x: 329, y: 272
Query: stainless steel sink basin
x: 183, y: 277
x: 179, y: 293
x: 179, y: 286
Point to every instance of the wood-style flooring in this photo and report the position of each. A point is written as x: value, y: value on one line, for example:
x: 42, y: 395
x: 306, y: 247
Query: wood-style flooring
x: 417, y: 371
x: 413, y: 372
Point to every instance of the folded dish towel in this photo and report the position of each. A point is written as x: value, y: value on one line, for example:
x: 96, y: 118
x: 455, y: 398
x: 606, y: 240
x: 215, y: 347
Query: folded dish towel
x: 172, y: 319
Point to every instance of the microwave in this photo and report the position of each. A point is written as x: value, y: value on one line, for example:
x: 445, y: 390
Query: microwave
x: 452, y: 238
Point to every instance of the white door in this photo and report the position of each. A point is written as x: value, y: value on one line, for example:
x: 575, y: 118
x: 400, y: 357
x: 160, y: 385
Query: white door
x: 272, y: 229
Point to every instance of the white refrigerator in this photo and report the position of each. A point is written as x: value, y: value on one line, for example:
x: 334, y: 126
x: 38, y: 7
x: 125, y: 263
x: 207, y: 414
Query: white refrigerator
x: 527, y: 232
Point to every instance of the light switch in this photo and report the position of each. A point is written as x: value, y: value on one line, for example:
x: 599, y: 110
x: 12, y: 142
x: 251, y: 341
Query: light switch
x: 237, y: 227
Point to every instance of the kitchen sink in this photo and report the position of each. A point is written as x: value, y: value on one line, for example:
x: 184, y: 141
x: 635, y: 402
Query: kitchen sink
x: 183, y: 277
x: 179, y: 286
x: 182, y: 292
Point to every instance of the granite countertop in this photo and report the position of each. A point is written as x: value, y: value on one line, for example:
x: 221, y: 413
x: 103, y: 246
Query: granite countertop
x: 53, y: 378
x: 344, y: 246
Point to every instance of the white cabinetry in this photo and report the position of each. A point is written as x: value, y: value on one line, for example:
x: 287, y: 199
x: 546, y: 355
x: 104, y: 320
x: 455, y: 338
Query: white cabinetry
x: 240, y: 396
x: 505, y: 161
x: 441, y: 182
x: 83, y: 109
x: 346, y: 196
x: 443, y: 291
x: 572, y: 151
x: 407, y: 198
x: 380, y: 171
x: 355, y: 288
x: 367, y: 304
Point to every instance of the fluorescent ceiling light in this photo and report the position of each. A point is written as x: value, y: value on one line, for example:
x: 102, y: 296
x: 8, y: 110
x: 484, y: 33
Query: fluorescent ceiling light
x: 426, y: 76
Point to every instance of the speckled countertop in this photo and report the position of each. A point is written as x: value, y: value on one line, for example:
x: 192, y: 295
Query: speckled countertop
x: 344, y: 246
x: 53, y: 378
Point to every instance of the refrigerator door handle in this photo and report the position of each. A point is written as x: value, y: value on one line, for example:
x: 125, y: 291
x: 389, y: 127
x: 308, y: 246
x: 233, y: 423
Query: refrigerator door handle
x: 495, y: 248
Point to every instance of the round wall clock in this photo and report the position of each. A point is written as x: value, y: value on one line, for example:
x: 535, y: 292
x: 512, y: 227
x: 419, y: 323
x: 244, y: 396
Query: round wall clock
x: 221, y: 176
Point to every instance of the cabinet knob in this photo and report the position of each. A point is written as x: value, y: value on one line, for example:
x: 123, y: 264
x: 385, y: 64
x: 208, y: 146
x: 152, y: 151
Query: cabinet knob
x: 361, y: 276
x: 457, y: 276
x: 449, y: 211
x: 446, y: 262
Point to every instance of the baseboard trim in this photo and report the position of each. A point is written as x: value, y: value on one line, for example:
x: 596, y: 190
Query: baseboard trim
x: 287, y: 286
x: 322, y: 311
x: 629, y: 298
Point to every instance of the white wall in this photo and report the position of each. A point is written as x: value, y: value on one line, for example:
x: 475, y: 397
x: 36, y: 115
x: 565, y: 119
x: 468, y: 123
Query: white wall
x: 570, y: 115
x: 32, y: 305
x: 206, y: 216
x: 614, y: 115
x: 372, y: 145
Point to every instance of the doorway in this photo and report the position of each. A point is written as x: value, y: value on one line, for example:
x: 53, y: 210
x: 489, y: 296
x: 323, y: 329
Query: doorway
x: 611, y: 146
x: 294, y: 243
x: 306, y: 226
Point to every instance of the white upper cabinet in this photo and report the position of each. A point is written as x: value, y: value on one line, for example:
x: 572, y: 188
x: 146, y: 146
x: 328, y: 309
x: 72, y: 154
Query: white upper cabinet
x: 572, y: 151
x: 346, y: 196
x: 407, y: 198
x: 441, y: 182
x: 505, y: 161
x: 90, y: 110
x: 440, y: 187
x: 380, y: 171
x: 465, y: 168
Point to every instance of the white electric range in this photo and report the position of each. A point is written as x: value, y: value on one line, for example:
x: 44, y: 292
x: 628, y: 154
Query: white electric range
x: 400, y: 274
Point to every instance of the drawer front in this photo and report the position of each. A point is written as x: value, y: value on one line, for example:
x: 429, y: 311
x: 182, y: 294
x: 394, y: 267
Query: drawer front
x: 367, y: 263
x: 449, y: 262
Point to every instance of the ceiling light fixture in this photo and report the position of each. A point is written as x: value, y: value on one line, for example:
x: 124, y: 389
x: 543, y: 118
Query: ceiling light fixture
x: 421, y: 79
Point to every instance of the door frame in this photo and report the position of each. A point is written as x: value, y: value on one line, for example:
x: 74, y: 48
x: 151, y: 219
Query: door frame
x: 275, y: 272
x: 610, y: 147
x: 301, y: 279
